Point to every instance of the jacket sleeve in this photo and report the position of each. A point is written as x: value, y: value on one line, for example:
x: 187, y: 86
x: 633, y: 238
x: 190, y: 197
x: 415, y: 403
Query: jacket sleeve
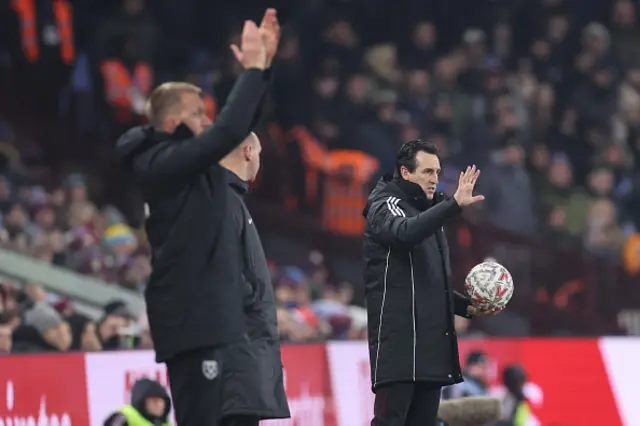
x: 460, y: 304
x: 116, y: 419
x: 169, y: 159
x: 390, y: 226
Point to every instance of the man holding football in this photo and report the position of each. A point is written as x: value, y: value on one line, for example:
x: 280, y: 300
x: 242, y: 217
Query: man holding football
x: 411, y: 306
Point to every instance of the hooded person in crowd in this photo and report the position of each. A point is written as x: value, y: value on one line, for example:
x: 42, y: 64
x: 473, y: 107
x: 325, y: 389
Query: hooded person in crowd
x: 150, y: 406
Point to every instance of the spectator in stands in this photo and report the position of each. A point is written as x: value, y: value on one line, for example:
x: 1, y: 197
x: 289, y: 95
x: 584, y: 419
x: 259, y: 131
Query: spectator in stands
x: 558, y: 191
x: 603, y: 233
x: 509, y: 191
x: 125, y: 48
x: 84, y: 334
x: 150, y: 404
x: 113, y: 327
x: 76, y: 187
x: 294, y: 329
x: 476, y: 376
x: 10, y: 311
x: 516, y: 411
x: 132, y: 21
x: 6, y: 338
x: 43, y: 330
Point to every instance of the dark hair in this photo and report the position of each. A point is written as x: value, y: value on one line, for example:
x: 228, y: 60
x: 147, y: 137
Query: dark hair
x: 407, y: 155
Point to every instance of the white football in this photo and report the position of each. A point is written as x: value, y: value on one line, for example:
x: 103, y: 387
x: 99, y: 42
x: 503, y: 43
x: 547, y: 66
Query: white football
x: 489, y: 285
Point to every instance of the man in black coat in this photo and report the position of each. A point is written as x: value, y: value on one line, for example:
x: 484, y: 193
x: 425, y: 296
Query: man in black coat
x: 209, y: 299
x: 412, y: 340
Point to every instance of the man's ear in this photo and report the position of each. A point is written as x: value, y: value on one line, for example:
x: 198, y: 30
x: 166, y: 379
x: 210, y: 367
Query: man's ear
x: 247, y: 151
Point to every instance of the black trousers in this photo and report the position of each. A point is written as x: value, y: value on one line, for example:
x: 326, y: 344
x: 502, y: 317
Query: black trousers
x: 406, y: 404
x: 196, y: 380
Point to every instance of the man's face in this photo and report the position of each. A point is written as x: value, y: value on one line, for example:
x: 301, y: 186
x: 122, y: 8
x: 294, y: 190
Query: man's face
x: 193, y: 113
x: 426, y: 174
x: 110, y: 326
x: 155, y: 406
x: 59, y: 336
x: 252, y: 150
x: 479, y: 371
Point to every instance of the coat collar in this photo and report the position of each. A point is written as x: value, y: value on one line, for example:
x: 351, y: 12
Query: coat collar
x: 413, y: 191
x: 238, y: 185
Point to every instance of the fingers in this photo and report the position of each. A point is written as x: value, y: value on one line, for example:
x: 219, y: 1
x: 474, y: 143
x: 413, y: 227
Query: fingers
x: 251, y: 26
x: 270, y: 20
x: 475, y: 177
x: 236, y: 52
x: 249, y: 30
x: 469, y: 177
x: 472, y: 310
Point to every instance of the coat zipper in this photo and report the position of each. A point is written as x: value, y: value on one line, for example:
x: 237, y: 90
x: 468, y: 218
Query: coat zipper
x: 413, y: 311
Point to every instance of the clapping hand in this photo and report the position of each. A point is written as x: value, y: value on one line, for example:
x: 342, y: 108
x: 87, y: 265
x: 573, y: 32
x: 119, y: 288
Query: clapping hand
x: 464, y: 194
x: 270, y: 32
x: 252, y: 52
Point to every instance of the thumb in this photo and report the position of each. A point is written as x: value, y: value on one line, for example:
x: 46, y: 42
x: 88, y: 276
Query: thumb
x: 477, y: 198
x: 236, y: 52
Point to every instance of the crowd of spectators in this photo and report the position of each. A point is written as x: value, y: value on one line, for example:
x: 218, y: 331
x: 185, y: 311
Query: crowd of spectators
x: 543, y: 96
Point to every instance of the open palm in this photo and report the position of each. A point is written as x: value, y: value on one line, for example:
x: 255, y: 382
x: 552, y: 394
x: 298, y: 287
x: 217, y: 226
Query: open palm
x: 467, y: 182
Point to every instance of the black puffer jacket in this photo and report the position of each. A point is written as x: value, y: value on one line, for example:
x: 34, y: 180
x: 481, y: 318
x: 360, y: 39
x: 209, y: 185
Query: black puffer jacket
x: 407, y: 274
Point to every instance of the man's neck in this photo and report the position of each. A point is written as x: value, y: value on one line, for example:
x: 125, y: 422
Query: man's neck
x: 236, y: 169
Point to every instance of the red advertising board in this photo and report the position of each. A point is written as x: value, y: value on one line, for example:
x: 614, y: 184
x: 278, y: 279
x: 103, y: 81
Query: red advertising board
x: 110, y: 377
x: 569, y: 382
x: 43, y: 389
x: 565, y: 378
x: 306, y: 376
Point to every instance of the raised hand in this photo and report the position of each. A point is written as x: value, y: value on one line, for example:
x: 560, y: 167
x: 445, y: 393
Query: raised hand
x: 252, y: 52
x: 270, y: 32
x: 464, y: 194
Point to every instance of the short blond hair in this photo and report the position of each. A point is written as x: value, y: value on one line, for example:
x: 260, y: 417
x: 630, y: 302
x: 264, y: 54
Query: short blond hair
x: 166, y: 97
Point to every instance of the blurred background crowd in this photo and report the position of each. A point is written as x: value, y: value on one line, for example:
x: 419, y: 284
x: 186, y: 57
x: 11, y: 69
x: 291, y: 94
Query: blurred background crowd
x: 543, y: 95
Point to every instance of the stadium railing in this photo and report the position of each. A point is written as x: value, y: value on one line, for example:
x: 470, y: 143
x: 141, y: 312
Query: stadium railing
x: 89, y: 294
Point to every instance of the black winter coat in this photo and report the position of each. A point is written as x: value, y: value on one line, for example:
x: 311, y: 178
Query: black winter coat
x: 407, y: 275
x: 195, y: 293
x: 254, y: 384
